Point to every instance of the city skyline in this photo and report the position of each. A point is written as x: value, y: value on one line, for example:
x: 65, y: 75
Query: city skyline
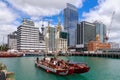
x: 12, y: 12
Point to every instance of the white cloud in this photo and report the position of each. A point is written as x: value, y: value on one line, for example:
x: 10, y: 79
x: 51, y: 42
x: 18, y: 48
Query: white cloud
x: 6, y: 15
x: 43, y: 7
x: 45, y: 23
x: 5, y: 30
x: 103, y: 12
x: 7, y: 18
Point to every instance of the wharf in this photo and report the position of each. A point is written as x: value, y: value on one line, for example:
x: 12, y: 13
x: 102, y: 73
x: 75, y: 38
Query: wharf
x: 32, y: 54
x: 105, y: 55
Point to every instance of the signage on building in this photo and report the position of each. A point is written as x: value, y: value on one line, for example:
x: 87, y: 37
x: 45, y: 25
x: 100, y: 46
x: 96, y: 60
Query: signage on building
x: 72, y: 50
x: 80, y: 46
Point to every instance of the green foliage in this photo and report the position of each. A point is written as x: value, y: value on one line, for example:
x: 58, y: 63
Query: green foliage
x: 4, y: 47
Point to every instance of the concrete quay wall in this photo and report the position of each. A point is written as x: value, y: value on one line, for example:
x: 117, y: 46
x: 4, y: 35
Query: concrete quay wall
x: 106, y: 55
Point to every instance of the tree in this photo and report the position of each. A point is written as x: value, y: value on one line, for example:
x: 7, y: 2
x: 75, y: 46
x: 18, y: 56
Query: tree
x: 4, y: 47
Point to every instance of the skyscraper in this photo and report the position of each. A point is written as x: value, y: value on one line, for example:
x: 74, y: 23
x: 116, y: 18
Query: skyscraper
x: 50, y: 38
x: 101, y: 30
x: 61, y: 39
x: 70, y: 22
x: 56, y: 39
x: 85, y: 32
x: 28, y: 37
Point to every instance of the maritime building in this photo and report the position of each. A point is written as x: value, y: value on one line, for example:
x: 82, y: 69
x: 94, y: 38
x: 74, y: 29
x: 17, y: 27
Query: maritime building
x: 97, y: 45
x: 86, y: 32
x: 28, y: 37
x: 12, y: 40
x: 70, y: 23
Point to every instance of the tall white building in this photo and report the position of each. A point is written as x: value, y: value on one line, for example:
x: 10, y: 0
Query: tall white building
x: 28, y: 37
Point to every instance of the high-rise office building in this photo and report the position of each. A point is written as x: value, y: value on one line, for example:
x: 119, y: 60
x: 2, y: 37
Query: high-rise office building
x: 12, y: 40
x: 28, y: 37
x: 61, y: 39
x: 101, y: 30
x: 56, y: 39
x: 85, y: 32
x: 70, y: 22
x: 50, y: 38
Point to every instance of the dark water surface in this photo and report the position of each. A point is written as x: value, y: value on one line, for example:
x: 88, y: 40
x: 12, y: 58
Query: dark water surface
x: 101, y: 69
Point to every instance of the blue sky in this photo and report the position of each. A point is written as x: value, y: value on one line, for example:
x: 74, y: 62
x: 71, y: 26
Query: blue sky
x: 13, y: 11
x: 87, y: 6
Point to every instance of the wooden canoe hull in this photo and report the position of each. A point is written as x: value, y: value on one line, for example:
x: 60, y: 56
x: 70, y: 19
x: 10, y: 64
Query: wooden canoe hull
x: 5, y: 55
x: 80, y: 68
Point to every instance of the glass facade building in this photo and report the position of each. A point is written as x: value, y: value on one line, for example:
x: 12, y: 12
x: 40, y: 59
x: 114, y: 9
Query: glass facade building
x: 85, y: 32
x: 101, y: 30
x: 12, y: 40
x: 70, y: 23
x: 52, y: 39
x: 63, y: 35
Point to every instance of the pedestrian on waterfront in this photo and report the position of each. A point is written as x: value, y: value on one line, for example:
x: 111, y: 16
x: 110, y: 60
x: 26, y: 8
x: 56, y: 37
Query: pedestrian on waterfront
x: 37, y: 59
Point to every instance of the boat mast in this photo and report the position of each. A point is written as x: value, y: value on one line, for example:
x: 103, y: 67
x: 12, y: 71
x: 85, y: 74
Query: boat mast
x: 47, y: 38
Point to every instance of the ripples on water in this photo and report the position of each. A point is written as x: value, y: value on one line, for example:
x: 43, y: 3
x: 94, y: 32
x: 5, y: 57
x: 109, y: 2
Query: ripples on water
x: 101, y: 69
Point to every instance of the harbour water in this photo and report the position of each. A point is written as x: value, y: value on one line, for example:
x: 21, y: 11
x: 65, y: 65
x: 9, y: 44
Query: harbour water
x: 101, y: 69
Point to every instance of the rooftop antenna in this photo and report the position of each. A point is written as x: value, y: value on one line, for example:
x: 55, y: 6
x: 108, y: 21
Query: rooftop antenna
x: 42, y: 28
x: 59, y: 20
x: 49, y: 23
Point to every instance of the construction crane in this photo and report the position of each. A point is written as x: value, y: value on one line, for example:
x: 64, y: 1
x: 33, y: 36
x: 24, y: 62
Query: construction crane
x: 109, y: 27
